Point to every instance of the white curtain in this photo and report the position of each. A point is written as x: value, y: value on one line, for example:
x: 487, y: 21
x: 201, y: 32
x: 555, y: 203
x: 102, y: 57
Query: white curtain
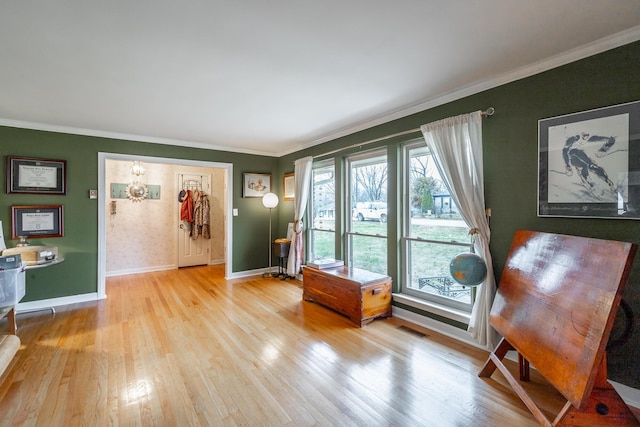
x: 456, y: 146
x: 302, y: 179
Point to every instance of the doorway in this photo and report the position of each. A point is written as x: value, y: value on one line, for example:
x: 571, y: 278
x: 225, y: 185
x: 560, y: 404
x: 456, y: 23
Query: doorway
x: 225, y: 197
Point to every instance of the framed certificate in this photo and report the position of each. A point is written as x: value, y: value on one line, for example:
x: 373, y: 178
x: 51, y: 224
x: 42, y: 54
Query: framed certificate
x: 36, y: 176
x: 37, y: 221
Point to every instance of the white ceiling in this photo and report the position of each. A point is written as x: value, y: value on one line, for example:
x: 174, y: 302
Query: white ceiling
x: 273, y: 76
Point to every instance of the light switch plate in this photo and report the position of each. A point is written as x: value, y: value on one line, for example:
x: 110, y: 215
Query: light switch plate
x: 93, y: 194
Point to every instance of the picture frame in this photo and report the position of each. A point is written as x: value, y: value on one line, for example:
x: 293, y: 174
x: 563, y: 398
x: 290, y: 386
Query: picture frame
x: 289, y: 186
x: 588, y: 163
x: 255, y: 184
x: 36, y: 176
x: 37, y: 221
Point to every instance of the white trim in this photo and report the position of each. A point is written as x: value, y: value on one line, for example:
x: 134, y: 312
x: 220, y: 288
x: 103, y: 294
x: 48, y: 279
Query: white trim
x: 154, y: 268
x: 439, y: 327
x: 431, y: 307
x: 124, y: 136
x: 140, y: 270
x: 630, y: 395
x: 607, y: 43
x: 102, y: 238
x: 46, y: 304
x: 246, y: 273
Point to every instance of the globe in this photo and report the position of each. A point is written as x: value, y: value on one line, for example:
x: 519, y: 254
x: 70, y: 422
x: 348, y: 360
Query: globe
x: 468, y: 269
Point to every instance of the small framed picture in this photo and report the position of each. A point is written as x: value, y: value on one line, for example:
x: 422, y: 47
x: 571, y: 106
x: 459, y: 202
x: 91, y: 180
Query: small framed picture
x: 289, y: 186
x: 37, y: 221
x: 36, y: 176
x: 255, y: 184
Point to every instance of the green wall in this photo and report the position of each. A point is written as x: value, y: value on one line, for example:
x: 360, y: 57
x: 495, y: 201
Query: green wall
x: 510, y: 158
x: 79, y: 246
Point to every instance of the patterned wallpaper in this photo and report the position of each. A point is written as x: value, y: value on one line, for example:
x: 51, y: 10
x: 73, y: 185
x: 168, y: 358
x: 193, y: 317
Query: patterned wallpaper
x: 143, y: 235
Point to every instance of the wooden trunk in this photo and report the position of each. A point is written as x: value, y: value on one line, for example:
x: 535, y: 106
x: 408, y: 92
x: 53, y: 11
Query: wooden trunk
x: 358, y: 294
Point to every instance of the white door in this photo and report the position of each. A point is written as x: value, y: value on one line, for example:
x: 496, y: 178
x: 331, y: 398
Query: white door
x: 192, y: 252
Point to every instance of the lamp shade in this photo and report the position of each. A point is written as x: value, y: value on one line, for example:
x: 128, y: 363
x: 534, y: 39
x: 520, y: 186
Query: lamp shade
x: 270, y: 200
x: 137, y: 169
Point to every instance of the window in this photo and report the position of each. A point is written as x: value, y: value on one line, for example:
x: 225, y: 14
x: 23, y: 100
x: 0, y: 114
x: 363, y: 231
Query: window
x: 433, y: 233
x: 366, y: 243
x: 323, y: 201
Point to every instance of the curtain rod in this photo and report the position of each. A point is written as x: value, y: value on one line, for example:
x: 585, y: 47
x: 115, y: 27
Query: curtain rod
x: 488, y: 112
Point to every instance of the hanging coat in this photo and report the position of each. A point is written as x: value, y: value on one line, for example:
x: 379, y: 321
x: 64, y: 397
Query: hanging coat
x: 201, y: 215
x: 186, y: 208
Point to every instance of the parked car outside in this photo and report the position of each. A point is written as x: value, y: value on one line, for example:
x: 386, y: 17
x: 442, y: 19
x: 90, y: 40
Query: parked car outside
x: 372, y: 211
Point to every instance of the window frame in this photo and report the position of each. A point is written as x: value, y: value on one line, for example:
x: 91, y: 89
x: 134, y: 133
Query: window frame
x: 312, y: 229
x: 406, y: 241
x: 371, y: 157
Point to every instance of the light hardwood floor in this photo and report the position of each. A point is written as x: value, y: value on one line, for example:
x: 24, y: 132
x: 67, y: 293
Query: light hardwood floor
x: 189, y: 348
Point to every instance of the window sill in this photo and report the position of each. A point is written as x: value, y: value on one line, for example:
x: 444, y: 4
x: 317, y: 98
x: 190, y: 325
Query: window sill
x: 431, y: 307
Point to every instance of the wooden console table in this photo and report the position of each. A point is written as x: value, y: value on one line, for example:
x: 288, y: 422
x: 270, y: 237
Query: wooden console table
x: 360, y: 295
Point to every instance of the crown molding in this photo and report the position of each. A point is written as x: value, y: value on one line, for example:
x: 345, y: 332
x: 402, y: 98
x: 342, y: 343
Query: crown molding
x: 123, y: 136
x: 607, y: 43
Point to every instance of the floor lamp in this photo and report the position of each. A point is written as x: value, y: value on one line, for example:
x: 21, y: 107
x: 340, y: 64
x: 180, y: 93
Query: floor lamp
x: 269, y: 201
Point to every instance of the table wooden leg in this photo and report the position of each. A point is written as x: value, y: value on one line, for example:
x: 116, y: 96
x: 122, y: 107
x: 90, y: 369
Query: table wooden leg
x: 499, y: 353
x: 524, y: 368
x: 11, y: 317
x: 13, y: 326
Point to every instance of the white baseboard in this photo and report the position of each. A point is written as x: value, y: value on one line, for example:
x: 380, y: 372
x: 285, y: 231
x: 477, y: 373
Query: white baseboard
x: 630, y: 395
x: 140, y: 270
x: 152, y: 269
x: 434, y: 325
x: 46, y: 304
x: 256, y: 272
x: 431, y: 307
x: 247, y: 273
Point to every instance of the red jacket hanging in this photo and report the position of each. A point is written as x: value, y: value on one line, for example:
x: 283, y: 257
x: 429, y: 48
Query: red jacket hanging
x: 186, y: 209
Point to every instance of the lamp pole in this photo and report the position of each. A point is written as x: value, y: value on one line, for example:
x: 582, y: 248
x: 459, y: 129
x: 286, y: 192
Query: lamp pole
x: 269, y: 200
x: 269, y: 274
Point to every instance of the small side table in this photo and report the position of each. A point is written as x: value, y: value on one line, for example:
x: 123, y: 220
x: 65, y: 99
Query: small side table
x: 12, y: 312
x: 281, y: 251
x: 43, y: 265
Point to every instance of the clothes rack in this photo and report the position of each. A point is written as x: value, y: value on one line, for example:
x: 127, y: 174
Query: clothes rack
x: 192, y: 184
